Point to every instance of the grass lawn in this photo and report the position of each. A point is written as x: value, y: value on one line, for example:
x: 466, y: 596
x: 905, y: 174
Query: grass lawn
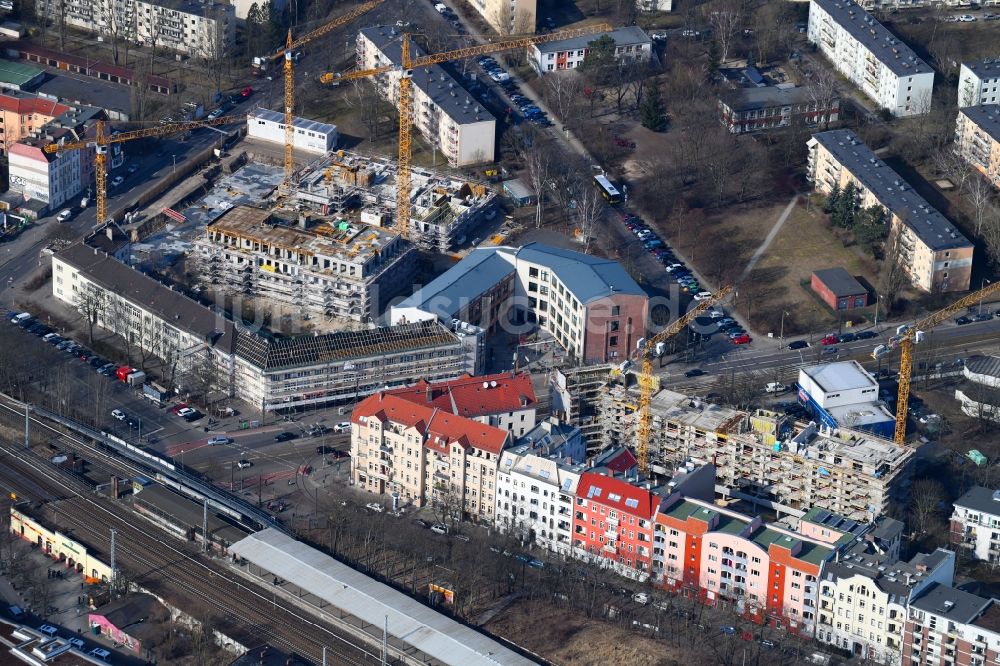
x: 803, y: 245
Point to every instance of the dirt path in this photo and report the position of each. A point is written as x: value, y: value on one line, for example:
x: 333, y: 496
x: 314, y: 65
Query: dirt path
x: 759, y: 252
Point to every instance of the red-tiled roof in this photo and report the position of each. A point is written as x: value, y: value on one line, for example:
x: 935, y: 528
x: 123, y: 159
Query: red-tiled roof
x: 24, y: 105
x: 440, y: 427
x: 33, y: 151
x: 467, y: 396
x: 622, y: 462
x: 616, y: 493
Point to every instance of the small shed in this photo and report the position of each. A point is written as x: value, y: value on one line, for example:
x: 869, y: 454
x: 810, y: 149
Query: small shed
x: 518, y: 192
x: 839, y: 289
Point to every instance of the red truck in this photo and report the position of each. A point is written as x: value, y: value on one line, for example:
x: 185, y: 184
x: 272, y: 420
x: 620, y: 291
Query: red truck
x: 123, y: 373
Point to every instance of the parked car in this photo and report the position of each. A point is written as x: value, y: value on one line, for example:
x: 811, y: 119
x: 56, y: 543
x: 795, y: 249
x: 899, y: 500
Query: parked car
x: 218, y: 440
x: 118, y: 414
x: 285, y: 436
x: 244, y: 464
x: 830, y: 340
x: 963, y: 320
x: 867, y: 335
x: 64, y: 215
x: 774, y: 387
x: 343, y: 426
x: 117, y: 180
x: 741, y: 340
x: 798, y: 344
x: 703, y: 296
x: 641, y: 598
x: 184, y: 412
x: 132, y: 168
x: 439, y: 528
x: 375, y: 506
x: 694, y: 372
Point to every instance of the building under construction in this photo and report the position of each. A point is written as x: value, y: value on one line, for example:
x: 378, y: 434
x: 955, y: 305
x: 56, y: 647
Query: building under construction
x: 327, y: 267
x: 763, y: 456
x: 444, y: 211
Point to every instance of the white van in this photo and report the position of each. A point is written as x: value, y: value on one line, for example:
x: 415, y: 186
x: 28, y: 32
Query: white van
x: 774, y: 387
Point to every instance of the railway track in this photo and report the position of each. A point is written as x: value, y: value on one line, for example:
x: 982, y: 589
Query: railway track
x: 250, y: 613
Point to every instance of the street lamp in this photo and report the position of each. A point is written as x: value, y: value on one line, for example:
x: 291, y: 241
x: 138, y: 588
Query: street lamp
x: 175, y: 164
x: 781, y: 334
x: 981, y: 287
x: 878, y: 303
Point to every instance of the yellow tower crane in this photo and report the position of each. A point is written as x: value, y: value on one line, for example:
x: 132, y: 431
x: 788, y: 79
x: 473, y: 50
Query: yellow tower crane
x: 287, y: 53
x: 647, y: 380
x: 101, y: 142
x: 407, y: 64
x: 906, y: 336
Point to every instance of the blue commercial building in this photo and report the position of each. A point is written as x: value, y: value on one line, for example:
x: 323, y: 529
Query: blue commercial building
x: 844, y: 395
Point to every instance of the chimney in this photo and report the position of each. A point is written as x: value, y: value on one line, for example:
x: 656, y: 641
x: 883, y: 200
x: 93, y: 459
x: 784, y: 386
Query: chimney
x: 908, y: 577
x: 430, y: 393
x: 110, y: 231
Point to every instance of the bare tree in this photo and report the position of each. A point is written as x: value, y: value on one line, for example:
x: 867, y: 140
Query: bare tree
x: 892, y: 276
x: 117, y: 316
x: 562, y: 91
x: 140, y: 92
x: 537, y: 163
x: 214, y: 50
x: 112, y: 26
x: 91, y: 304
x: 981, y: 195
x: 726, y: 22
x: 589, y: 210
x: 822, y: 91
x: 925, y: 500
x: 990, y: 233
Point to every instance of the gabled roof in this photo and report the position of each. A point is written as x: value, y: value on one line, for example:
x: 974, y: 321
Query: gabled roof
x: 631, y: 34
x: 25, y: 104
x: 478, y: 272
x: 618, y: 494
x: 438, y: 427
x: 473, y: 397
x: 947, y: 602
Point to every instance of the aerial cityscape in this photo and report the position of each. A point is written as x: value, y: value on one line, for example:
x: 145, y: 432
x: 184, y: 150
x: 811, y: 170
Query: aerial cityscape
x: 476, y: 332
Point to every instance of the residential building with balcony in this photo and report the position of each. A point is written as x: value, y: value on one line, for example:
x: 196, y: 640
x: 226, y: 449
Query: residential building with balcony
x: 872, y: 58
x: 448, y: 116
x: 423, y: 456
x: 508, y: 17
x: 331, y: 270
x: 632, y: 44
x: 930, y: 249
x: 747, y: 110
x: 769, y: 572
x: 197, y: 29
x: 950, y: 627
x: 864, y: 597
x: 975, y: 523
x: 590, y: 305
x: 977, y: 139
x: 979, y: 82
x: 537, y: 481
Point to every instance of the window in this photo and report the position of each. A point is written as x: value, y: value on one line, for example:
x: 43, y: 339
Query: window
x: 613, y: 341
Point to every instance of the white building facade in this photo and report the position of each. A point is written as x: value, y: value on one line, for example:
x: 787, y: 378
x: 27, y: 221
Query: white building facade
x: 860, y: 48
x: 52, y: 178
x: 447, y: 115
x: 631, y: 43
x: 975, y: 523
x: 310, y: 136
x: 979, y: 82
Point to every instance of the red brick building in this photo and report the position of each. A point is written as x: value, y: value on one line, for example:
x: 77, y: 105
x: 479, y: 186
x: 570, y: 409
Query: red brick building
x: 949, y: 627
x: 839, y: 289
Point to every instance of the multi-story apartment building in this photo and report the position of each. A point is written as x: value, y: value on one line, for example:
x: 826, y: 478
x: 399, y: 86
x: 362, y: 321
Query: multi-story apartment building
x: 590, y: 305
x: 537, y: 482
x: 508, y: 17
x: 746, y: 110
x: 771, y: 573
x: 860, y: 48
x: 977, y: 139
x: 979, y: 82
x: 932, y: 251
x: 198, y: 29
x: 447, y: 115
x: 426, y: 456
x: 505, y: 401
x: 949, y: 627
x: 55, y: 178
x: 975, y: 523
x: 333, y: 269
x: 631, y: 43
x: 766, y: 456
x: 24, y: 114
x: 864, y: 599
x: 275, y: 373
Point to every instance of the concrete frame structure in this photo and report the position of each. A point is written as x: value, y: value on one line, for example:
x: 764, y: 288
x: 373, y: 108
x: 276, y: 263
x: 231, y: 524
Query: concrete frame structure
x: 631, y: 43
x: 449, y: 117
x: 975, y: 523
x: 935, y: 255
x: 426, y: 456
x: 198, y: 29
x: 765, y: 456
x: 979, y: 82
x: 860, y: 48
x: 977, y: 139
x: 591, y: 306
x: 310, y: 136
x: 747, y: 110
x: 331, y: 270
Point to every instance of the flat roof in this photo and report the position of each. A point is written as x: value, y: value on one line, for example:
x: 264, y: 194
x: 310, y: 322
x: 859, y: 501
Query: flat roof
x: 863, y: 27
x: 840, y: 376
x: 981, y: 499
x: 982, y: 365
x: 861, y: 414
x: 955, y: 605
x: 89, y: 91
x: 839, y: 281
x: 630, y: 34
x: 700, y: 414
x: 375, y: 603
x: 17, y: 73
x: 454, y: 100
x: 186, y: 512
x: 934, y: 229
x: 985, y: 116
x: 297, y: 121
